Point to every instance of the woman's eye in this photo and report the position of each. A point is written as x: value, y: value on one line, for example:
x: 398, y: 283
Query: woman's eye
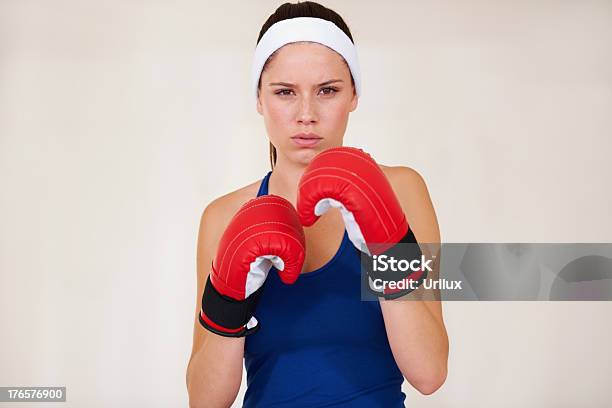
x: 331, y: 91
x: 283, y: 92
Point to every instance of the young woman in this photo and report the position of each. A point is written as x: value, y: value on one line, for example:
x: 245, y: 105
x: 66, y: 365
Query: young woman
x: 319, y: 344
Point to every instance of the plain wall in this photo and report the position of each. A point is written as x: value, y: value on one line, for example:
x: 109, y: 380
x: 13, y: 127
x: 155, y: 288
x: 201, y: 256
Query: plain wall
x: 121, y: 120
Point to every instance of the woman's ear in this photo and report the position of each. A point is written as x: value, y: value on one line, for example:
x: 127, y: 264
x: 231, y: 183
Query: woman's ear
x: 259, y: 104
x: 354, y: 101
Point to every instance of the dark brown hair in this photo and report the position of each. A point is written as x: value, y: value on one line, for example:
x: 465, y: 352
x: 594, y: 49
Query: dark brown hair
x: 293, y: 10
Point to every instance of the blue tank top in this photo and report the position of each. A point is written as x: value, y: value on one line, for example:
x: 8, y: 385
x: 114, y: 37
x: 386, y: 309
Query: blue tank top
x: 319, y: 344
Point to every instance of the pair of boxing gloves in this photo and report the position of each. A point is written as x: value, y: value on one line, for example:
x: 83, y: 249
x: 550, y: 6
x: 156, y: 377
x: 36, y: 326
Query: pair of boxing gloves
x: 267, y: 231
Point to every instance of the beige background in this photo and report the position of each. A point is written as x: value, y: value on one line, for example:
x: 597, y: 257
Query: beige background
x: 121, y: 120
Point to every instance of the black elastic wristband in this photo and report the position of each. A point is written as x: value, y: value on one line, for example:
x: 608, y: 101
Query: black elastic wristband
x: 241, y: 333
x: 397, y: 250
x: 227, y: 312
x: 419, y: 282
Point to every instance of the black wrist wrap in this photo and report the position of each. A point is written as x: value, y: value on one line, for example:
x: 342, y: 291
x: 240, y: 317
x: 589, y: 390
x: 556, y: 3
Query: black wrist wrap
x: 408, y: 252
x: 228, y: 313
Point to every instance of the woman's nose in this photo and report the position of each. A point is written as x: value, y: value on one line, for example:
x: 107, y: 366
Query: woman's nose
x: 307, y: 110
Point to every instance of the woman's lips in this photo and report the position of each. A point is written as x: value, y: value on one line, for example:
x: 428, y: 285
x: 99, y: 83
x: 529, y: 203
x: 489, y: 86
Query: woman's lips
x: 306, y: 140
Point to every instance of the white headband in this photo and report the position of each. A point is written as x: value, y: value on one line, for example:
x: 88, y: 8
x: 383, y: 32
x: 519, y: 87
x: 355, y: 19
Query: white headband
x: 305, y: 29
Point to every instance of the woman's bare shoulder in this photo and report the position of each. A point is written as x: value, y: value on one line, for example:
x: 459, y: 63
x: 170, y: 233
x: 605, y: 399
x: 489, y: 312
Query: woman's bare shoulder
x: 413, y: 194
x: 395, y: 172
x: 405, y: 178
x: 219, y: 211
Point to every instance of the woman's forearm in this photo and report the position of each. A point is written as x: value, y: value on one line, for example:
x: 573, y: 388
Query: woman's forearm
x: 214, y: 372
x: 419, y: 343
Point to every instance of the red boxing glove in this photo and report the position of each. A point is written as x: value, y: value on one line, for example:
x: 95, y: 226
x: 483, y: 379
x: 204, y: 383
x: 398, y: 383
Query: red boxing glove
x: 265, y: 232
x: 349, y: 179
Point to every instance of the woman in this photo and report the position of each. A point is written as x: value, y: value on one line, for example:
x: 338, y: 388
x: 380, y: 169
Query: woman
x: 320, y: 344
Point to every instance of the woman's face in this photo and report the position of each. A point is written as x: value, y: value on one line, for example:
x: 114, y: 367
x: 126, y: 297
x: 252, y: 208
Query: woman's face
x: 305, y: 98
